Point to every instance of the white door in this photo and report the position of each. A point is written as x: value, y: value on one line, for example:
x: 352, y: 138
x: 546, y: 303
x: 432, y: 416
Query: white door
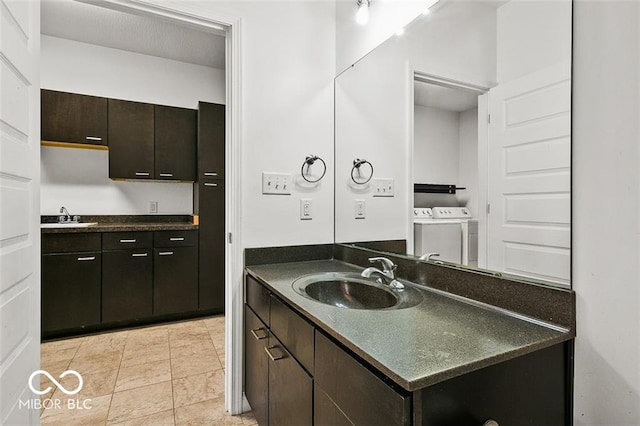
x: 19, y: 207
x: 529, y: 176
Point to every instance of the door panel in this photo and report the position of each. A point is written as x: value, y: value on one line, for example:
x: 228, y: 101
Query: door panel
x: 131, y: 143
x: 212, y: 244
x: 256, y: 369
x: 127, y: 284
x: 175, y: 143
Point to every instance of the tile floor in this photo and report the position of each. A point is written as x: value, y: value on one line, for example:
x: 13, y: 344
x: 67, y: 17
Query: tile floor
x: 170, y: 374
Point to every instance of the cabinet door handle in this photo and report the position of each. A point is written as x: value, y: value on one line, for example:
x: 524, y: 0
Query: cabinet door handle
x: 93, y: 138
x: 142, y: 173
x: 262, y: 331
x: 166, y: 174
x: 210, y: 184
x: 127, y: 241
x: 210, y: 174
x: 176, y: 239
x: 87, y: 258
x: 273, y: 357
x: 139, y: 254
x: 165, y: 253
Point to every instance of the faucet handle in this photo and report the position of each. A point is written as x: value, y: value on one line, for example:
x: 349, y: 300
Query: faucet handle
x: 387, y: 264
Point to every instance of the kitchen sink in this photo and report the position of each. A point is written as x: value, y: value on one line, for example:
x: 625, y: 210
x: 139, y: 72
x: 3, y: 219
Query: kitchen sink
x: 68, y: 225
x: 352, y: 291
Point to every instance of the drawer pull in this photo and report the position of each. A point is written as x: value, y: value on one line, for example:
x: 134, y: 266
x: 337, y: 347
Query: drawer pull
x: 93, y: 138
x: 210, y: 184
x: 166, y: 174
x: 139, y: 254
x: 142, y: 173
x: 273, y: 357
x: 210, y: 174
x: 262, y: 331
x: 127, y: 241
x: 87, y: 258
x: 176, y: 239
x: 165, y: 253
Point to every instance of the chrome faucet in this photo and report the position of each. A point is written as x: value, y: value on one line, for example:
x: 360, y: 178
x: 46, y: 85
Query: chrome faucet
x: 428, y: 256
x: 66, y: 218
x: 387, y: 275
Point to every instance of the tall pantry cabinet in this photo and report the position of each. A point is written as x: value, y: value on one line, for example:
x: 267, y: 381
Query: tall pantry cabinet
x: 209, y: 204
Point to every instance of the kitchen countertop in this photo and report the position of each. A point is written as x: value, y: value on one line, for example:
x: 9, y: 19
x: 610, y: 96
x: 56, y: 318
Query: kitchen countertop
x: 125, y: 223
x: 441, y: 338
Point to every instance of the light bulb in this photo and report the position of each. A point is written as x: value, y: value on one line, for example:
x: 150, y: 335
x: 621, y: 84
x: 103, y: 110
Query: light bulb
x: 362, y: 16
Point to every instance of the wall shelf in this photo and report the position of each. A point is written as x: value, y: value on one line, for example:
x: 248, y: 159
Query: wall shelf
x: 430, y: 188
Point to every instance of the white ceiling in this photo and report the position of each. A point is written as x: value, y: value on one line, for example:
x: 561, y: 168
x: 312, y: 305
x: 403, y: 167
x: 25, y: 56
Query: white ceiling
x: 135, y: 33
x: 431, y: 95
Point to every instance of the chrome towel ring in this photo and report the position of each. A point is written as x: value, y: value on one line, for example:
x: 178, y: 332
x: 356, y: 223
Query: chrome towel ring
x: 357, y: 163
x: 309, y: 161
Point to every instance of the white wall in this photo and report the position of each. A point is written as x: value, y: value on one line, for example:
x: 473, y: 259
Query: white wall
x: 468, y: 165
x: 606, y: 247
x: 436, y: 145
x: 78, y: 178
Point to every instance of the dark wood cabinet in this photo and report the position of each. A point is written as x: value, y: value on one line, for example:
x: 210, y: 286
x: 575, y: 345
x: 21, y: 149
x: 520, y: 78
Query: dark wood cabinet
x: 175, y: 285
x: 210, y: 206
x: 131, y: 140
x: 256, y: 372
x: 326, y: 412
x: 73, y: 118
x: 127, y: 284
x: 70, y: 290
x: 211, y: 140
x: 175, y: 143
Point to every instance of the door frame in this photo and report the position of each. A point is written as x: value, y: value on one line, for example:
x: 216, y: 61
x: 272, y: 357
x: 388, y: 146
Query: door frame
x: 230, y: 26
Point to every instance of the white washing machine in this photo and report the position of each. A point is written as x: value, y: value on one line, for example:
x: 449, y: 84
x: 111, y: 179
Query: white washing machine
x: 450, y: 231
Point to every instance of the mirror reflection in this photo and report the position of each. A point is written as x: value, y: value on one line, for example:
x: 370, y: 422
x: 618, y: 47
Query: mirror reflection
x: 465, y: 119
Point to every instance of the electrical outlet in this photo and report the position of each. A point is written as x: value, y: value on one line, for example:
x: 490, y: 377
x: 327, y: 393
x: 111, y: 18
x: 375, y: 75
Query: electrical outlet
x: 360, y: 209
x: 383, y: 188
x: 153, y: 207
x: 276, y: 183
x: 305, y: 209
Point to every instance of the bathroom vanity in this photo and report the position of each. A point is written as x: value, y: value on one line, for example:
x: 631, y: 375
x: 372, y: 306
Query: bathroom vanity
x: 446, y: 360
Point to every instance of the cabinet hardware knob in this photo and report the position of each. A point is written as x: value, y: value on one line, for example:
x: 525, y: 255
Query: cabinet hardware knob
x: 176, y: 239
x: 93, y: 138
x: 165, y: 253
x: 210, y: 174
x: 166, y: 174
x: 263, y: 334
x: 210, y: 184
x: 273, y: 357
x: 139, y: 254
x: 127, y: 241
x: 87, y: 258
x: 142, y: 173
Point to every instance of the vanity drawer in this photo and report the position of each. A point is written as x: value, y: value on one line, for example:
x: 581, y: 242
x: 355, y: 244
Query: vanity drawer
x: 126, y: 240
x: 258, y: 299
x: 175, y: 238
x: 360, y: 394
x: 70, y: 243
x: 294, y: 332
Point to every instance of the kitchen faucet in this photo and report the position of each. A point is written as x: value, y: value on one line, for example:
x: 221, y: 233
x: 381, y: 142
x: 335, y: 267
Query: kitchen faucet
x: 387, y: 275
x: 66, y: 218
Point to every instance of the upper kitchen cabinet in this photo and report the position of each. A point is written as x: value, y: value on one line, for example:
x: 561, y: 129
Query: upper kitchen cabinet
x: 131, y: 140
x: 175, y: 143
x: 73, y: 118
x: 211, y: 120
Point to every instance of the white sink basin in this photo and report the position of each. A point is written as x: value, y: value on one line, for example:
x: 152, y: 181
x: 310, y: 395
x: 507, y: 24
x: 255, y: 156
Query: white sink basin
x: 67, y: 225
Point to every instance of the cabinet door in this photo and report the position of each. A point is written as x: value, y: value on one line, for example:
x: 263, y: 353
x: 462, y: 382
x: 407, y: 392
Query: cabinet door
x: 69, y: 117
x: 175, y: 285
x: 175, y: 143
x: 212, y: 244
x: 127, y: 284
x: 70, y: 290
x: 211, y: 129
x: 290, y: 388
x: 256, y: 373
x: 131, y: 143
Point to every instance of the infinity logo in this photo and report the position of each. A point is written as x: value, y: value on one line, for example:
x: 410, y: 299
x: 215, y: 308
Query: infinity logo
x: 58, y: 385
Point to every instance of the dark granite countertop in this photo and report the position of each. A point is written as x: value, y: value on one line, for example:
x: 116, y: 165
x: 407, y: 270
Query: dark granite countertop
x: 441, y: 338
x: 124, y: 223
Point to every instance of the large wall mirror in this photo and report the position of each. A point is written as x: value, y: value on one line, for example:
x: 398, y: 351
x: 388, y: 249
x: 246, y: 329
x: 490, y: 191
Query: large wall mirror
x: 455, y: 136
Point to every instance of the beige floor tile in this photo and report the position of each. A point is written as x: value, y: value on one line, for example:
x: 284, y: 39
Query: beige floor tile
x: 104, y: 362
x: 102, y: 343
x: 61, y: 350
x: 148, y: 336
x: 215, y: 323
x: 192, y: 324
x: 94, y: 384
x: 221, y: 355
x: 209, y: 412
x: 248, y: 419
x: 188, y: 337
x: 140, y: 402
x: 144, y: 354
x: 143, y: 375
x: 164, y: 418
x: 55, y: 369
x: 197, y: 348
x: 190, y: 366
x: 95, y: 415
x: 198, y: 388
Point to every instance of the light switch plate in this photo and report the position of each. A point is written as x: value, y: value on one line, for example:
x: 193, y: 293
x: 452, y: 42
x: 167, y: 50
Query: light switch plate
x: 305, y: 209
x: 276, y: 183
x: 383, y: 187
x: 360, y: 212
x: 153, y: 207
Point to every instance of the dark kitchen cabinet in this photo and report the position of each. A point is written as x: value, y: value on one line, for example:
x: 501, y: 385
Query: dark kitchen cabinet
x: 73, y: 118
x: 175, y: 143
x: 127, y: 284
x: 175, y: 286
x: 131, y: 140
x: 211, y: 140
x: 256, y: 373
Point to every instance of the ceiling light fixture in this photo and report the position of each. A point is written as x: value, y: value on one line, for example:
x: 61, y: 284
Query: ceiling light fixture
x: 362, y: 16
